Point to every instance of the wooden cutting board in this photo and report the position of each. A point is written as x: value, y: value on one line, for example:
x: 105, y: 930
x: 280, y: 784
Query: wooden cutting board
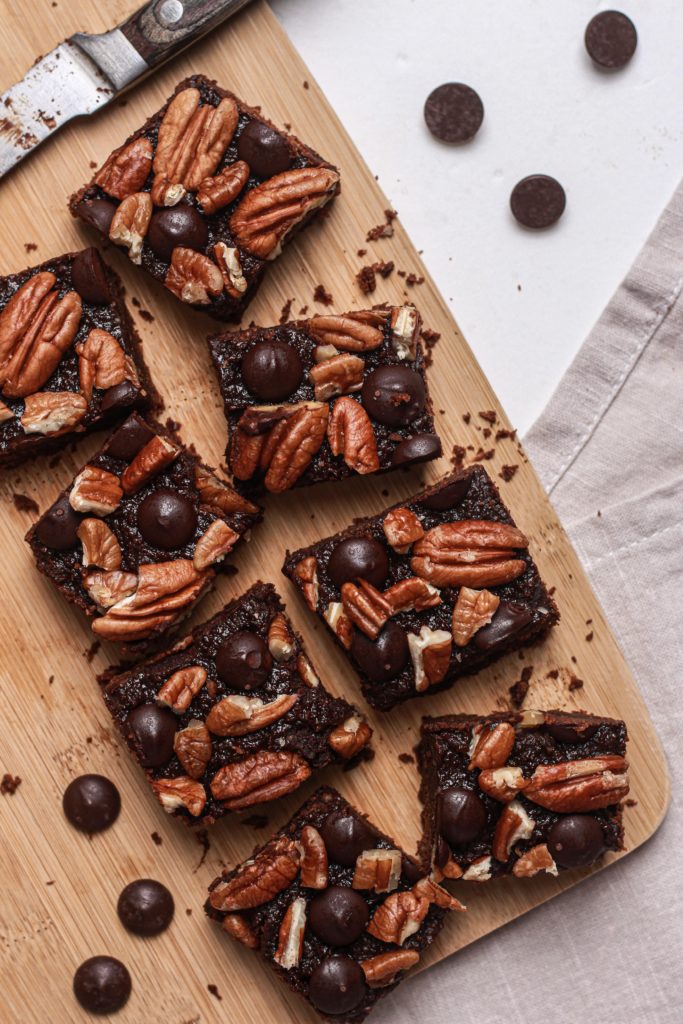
x: 59, y: 889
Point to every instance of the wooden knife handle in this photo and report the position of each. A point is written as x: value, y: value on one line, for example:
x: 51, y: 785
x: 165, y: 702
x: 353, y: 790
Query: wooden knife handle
x: 164, y: 27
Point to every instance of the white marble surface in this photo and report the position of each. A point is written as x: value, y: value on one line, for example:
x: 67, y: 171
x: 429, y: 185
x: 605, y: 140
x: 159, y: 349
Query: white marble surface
x: 524, y: 300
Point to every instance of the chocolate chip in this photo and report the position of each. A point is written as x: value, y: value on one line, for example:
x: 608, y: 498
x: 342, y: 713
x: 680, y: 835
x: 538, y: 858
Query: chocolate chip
x: 454, y: 112
x: 176, y: 226
x: 57, y: 528
x: 337, y: 985
x: 418, y: 448
x: 338, y: 915
x: 384, y: 658
x: 167, y: 519
x: 145, y: 907
x: 121, y: 396
x: 272, y: 370
x: 538, y: 201
x: 89, y: 277
x: 576, y: 840
x: 244, y: 661
x: 508, y: 620
x: 102, y: 984
x: 461, y: 815
x: 264, y: 149
x: 127, y: 441
x: 448, y: 496
x: 346, y: 836
x: 97, y: 212
x: 611, y: 39
x: 91, y: 803
x: 568, y: 733
x: 153, y: 732
x: 393, y: 395
x: 359, y: 558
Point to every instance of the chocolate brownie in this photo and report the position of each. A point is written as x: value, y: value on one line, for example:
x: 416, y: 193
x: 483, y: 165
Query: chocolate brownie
x: 139, y: 535
x: 325, y: 398
x: 429, y: 590
x: 70, y: 359
x: 205, y: 194
x: 520, y: 793
x: 234, y: 714
x: 334, y: 906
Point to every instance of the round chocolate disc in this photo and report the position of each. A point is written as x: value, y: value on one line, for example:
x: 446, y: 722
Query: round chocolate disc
x: 454, y: 112
x: 508, y: 619
x: 393, y: 395
x: 576, y: 840
x: 153, y: 730
x: 346, y: 836
x: 57, y: 528
x: 538, y: 201
x: 119, y: 397
x: 449, y: 496
x: 102, y: 984
x: 611, y: 39
x: 384, y: 658
x: 176, y: 226
x: 566, y: 733
x: 127, y: 441
x: 167, y: 519
x: 337, y: 985
x: 272, y: 370
x: 99, y: 213
x: 89, y: 277
x: 91, y: 803
x: 145, y: 907
x: 461, y: 815
x: 338, y: 915
x: 264, y: 149
x: 359, y: 558
x: 244, y: 661
x: 418, y: 448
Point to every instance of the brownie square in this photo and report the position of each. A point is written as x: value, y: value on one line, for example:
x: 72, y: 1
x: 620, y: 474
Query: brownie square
x: 325, y: 398
x: 429, y: 590
x: 139, y: 535
x: 70, y: 359
x: 334, y: 906
x: 205, y: 194
x: 520, y: 793
x: 234, y: 715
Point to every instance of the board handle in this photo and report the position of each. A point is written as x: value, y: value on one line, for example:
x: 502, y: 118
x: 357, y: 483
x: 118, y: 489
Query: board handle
x: 163, y: 28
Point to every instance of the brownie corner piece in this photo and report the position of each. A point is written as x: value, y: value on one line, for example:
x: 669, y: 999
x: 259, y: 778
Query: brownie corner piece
x: 432, y: 589
x: 234, y: 715
x: 205, y: 194
x: 520, y: 793
x: 137, y: 537
x: 334, y: 906
x: 70, y: 358
x: 325, y: 398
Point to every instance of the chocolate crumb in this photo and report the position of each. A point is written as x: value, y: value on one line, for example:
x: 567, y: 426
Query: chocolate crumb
x: 213, y: 989
x: 9, y: 784
x: 385, y: 230
x: 507, y: 472
x: 552, y: 591
x: 90, y: 653
x: 589, y: 636
x: 502, y: 434
x: 172, y: 425
x: 519, y: 690
x: 30, y: 246
x: 136, y: 302
x: 156, y: 839
x: 256, y: 820
x: 366, y: 280
x: 306, y: 85
x: 486, y: 432
x: 553, y: 674
x: 413, y: 279
x: 467, y: 416
x: 458, y: 456
x: 406, y: 758
x: 575, y: 683
x: 489, y: 415
x: 322, y: 295
x: 93, y: 163
x: 145, y: 315
x: 50, y: 680
x: 202, y: 837
x: 50, y: 882
x: 188, y: 911
x: 288, y: 126
x: 285, y: 311
x: 23, y: 503
x: 361, y: 252
x: 630, y: 802
x: 483, y: 456
x: 303, y: 311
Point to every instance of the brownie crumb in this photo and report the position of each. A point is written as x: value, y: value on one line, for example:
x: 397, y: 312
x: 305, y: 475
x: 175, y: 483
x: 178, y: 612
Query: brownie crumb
x: 486, y: 432
x: 50, y: 680
x: 9, y: 784
x: 458, y: 456
x: 55, y: 460
x: 575, y: 683
x: 213, y: 989
x: 156, y: 839
x: 90, y: 653
x: 322, y: 295
x: 285, y: 311
x: 361, y: 252
x: 553, y: 674
x: 406, y: 758
x: 256, y: 820
x: 507, y: 472
x: 188, y: 911
x: 30, y: 246
x: 589, y: 636
x: 145, y: 315
x: 136, y: 302
x: 385, y: 230
x: 483, y: 456
x: 50, y: 882
x: 202, y: 837
x: 489, y: 415
x: 502, y: 434
x: 519, y: 690
x: 366, y: 276
x: 306, y: 86
x: 23, y: 503
x: 429, y: 340
x: 413, y: 279
x: 303, y: 311
x: 467, y: 416
x: 173, y: 425
x: 630, y: 802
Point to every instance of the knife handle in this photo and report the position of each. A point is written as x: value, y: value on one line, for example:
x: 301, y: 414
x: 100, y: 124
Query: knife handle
x: 164, y: 27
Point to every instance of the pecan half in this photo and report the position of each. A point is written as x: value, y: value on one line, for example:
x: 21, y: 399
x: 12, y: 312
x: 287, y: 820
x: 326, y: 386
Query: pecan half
x: 268, y: 213
x: 181, y: 792
x: 473, y: 609
x: 576, y: 786
x: 280, y: 638
x: 502, y: 784
x: 109, y: 587
x: 513, y: 826
x: 301, y: 438
x: 193, y: 139
x: 218, y: 495
x: 192, y: 746
x: 102, y: 363
x: 36, y: 329
x: 314, y: 865
x: 430, y: 653
x: 398, y: 917
x: 193, y: 277
x: 152, y: 458
x: 379, y: 870
x: 306, y: 673
x: 238, y: 927
x: 491, y: 745
x: 215, y: 193
x: 29, y: 303
x: 405, y: 329
x: 127, y: 169
x: 228, y: 261
x: 260, y: 880
x: 100, y: 546
x: 351, y: 435
x: 339, y: 622
x: 306, y: 573
x: 350, y: 737
x: 401, y: 529
x: 337, y: 375
x: 180, y: 689
x: 95, y: 490
x: 382, y: 970
x: 365, y: 606
x: 130, y: 223
x: 238, y: 715
x: 259, y: 777
x: 436, y: 894
x: 349, y: 332
x: 534, y: 860
x: 412, y: 594
x: 164, y: 591
x: 214, y: 544
x: 472, y: 552
x: 290, y: 943
x: 52, y: 412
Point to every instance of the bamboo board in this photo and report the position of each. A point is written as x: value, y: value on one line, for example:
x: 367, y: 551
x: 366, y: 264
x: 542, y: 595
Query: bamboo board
x: 59, y: 890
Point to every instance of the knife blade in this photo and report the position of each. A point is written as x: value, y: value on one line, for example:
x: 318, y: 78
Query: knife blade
x: 86, y: 72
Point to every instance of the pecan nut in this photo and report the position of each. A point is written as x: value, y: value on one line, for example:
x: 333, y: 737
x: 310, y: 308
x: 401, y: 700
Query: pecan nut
x: 339, y: 622
x: 180, y: 689
x: 102, y: 363
x: 193, y: 277
x: 306, y: 673
x: 430, y: 653
x: 513, y: 826
x: 401, y: 529
x: 398, y: 917
x: 411, y: 594
x: 52, y: 412
x: 576, y: 786
x: 290, y: 943
x: 338, y: 375
x: 298, y: 443
x: 379, y: 870
x: 383, y: 969
x: 351, y: 435
x: 95, y: 490
x: 436, y: 894
x: 235, y: 925
x: 491, y: 745
x: 6, y: 413
x: 536, y: 859
x: 29, y: 303
x: 280, y: 638
x: 228, y: 261
x: 214, y: 544
x: 350, y: 737
x: 367, y: 608
x: 473, y: 610
x: 181, y: 792
x: 471, y: 552
x: 129, y: 224
x: 192, y: 139
x: 100, y: 546
x: 405, y: 329
x: 192, y: 746
x: 306, y: 575
x: 215, y: 193
x: 152, y: 458
x: 502, y: 784
x: 479, y: 870
x: 127, y: 169
x: 260, y: 880
x: 259, y: 777
x: 218, y: 496
x: 36, y: 329
x: 238, y: 715
x: 314, y: 863
x: 350, y: 332
x: 109, y: 587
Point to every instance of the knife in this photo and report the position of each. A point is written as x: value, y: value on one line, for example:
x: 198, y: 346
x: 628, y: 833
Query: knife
x: 86, y: 72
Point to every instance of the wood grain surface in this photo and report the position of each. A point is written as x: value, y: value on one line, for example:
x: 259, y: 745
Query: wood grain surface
x: 58, y: 888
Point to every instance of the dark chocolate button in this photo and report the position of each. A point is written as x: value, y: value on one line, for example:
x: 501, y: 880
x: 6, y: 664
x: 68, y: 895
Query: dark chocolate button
x: 264, y: 149
x: 57, y: 528
x: 338, y: 915
x: 176, y: 226
x: 418, y: 448
x: 102, y: 984
x: 611, y: 39
x: 97, y: 212
x: 346, y: 836
x: 272, y: 370
x: 127, y: 441
x: 449, y: 496
x: 538, y: 201
x: 454, y: 112
x: 384, y: 658
x: 153, y: 730
x: 410, y: 871
x: 507, y: 621
x: 576, y: 840
x: 571, y: 733
x: 337, y: 985
x: 91, y: 803
x: 167, y: 519
x: 393, y: 395
x: 244, y: 661
x: 359, y: 558
x: 461, y: 815
x: 145, y: 907
x: 89, y: 277
x: 441, y: 852
x: 121, y: 396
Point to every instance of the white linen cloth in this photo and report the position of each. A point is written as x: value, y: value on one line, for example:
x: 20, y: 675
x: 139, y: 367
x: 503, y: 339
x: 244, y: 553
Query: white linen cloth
x: 610, y: 441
